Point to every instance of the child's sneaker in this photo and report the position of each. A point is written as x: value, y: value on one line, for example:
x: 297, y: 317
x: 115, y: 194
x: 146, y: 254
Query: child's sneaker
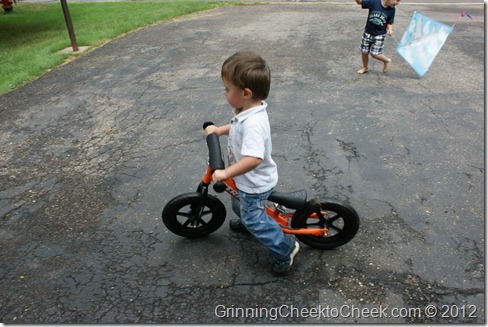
x: 237, y: 226
x: 282, y: 265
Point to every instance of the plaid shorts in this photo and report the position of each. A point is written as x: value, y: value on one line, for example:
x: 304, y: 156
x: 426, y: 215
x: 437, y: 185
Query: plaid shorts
x: 373, y: 44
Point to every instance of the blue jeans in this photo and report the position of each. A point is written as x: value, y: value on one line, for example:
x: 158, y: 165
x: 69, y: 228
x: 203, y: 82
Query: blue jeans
x: 252, y: 211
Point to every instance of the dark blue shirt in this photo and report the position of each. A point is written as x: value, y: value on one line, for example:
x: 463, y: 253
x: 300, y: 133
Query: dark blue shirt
x: 378, y: 17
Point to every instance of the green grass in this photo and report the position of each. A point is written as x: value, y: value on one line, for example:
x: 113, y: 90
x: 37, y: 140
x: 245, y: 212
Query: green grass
x: 32, y: 36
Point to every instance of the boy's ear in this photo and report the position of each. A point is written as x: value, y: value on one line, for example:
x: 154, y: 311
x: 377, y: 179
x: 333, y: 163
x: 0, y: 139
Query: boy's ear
x: 247, y: 92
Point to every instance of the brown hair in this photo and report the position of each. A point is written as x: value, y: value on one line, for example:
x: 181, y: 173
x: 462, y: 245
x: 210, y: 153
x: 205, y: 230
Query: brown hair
x: 248, y: 70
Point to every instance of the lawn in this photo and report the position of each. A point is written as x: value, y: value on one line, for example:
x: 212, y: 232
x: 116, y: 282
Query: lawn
x: 34, y: 33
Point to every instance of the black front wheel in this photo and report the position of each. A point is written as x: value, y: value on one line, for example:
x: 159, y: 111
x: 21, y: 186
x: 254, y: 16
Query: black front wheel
x: 194, y: 214
x: 341, y: 219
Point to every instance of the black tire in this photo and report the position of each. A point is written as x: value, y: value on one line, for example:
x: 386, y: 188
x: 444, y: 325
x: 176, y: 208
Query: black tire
x: 179, y: 216
x: 344, y: 220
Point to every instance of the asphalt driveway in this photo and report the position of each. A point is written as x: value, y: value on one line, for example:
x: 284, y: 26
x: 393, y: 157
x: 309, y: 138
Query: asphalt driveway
x: 92, y: 151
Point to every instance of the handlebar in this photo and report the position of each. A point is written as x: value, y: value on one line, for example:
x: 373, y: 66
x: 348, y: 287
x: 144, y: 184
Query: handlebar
x: 215, y: 157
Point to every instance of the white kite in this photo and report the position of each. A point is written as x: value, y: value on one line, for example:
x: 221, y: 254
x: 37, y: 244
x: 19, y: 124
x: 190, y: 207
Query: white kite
x: 422, y: 41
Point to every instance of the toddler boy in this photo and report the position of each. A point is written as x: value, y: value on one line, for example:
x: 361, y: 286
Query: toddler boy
x: 246, y: 78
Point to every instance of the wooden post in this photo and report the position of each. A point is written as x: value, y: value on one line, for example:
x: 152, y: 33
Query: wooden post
x: 69, y: 24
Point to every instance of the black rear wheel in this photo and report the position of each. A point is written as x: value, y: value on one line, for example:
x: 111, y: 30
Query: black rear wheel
x: 194, y: 214
x: 341, y: 219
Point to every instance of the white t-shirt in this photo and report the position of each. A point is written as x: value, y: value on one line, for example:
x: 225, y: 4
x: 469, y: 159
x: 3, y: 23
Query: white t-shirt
x: 250, y: 135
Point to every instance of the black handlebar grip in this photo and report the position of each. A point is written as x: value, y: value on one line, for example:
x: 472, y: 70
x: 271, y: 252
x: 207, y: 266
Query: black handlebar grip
x: 214, y: 153
x: 215, y: 159
x: 219, y: 187
x: 206, y: 124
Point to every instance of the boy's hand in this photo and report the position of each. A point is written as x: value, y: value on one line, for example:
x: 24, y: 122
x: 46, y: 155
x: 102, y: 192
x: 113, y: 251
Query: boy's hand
x: 389, y: 29
x: 211, y: 129
x: 219, y: 175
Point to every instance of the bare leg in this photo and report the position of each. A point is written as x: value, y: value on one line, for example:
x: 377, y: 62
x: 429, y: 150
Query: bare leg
x: 365, y: 59
x: 385, y: 60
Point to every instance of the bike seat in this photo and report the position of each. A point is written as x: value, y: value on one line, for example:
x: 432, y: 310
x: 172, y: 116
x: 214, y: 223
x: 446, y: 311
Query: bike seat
x: 292, y: 200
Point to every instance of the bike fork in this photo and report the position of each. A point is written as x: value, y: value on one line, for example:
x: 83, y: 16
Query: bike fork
x: 197, y: 211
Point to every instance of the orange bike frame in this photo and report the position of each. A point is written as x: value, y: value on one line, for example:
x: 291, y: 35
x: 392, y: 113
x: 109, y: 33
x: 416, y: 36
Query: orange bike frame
x: 282, y: 219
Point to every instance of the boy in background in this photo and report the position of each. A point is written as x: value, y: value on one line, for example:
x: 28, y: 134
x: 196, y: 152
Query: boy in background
x: 379, y: 24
